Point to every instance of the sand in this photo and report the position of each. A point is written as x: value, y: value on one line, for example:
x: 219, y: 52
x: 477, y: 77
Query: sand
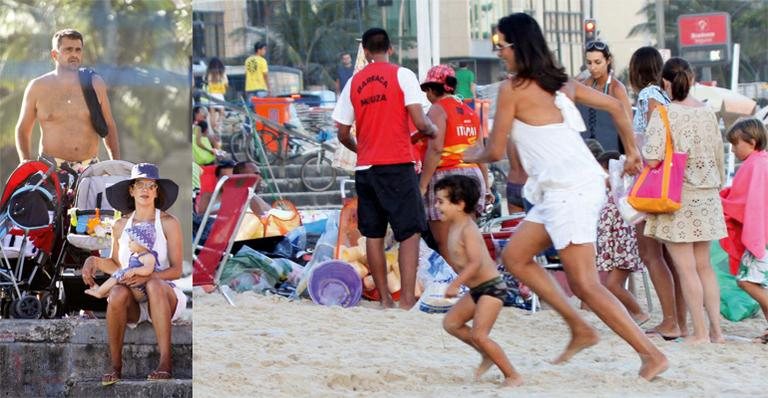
x: 270, y: 346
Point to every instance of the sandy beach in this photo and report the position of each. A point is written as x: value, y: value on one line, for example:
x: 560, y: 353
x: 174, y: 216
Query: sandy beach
x: 270, y: 346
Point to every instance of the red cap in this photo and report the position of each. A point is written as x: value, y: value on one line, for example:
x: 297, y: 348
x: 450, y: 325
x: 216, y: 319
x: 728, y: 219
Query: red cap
x: 438, y: 74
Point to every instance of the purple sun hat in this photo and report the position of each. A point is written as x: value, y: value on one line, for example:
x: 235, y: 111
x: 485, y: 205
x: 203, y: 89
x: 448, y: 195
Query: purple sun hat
x: 143, y: 234
x: 119, y: 197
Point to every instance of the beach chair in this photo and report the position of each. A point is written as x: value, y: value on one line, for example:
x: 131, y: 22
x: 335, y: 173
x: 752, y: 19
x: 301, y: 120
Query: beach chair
x: 232, y: 194
x: 497, y: 231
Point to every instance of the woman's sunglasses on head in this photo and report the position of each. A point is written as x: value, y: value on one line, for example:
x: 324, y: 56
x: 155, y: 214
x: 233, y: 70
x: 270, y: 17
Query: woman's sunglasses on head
x: 596, y: 45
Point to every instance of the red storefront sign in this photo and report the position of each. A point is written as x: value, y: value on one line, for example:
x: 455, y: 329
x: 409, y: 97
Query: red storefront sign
x: 703, y: 29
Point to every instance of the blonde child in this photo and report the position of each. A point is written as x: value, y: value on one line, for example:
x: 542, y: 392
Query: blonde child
x: 745, y: 212
x: 456, y: 198
x: 141, y: 263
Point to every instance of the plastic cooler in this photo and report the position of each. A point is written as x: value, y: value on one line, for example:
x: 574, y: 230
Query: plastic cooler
x: 277, y: 110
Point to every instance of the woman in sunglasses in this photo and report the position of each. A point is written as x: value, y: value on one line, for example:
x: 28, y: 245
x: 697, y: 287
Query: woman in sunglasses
x: 612, y: 231
x: 144, y: 198
x: 600, y: 126
x: 565, y: 184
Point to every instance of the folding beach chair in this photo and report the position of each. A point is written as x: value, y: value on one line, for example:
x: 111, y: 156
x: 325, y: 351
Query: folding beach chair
x: 233, y: 193
x: 498, y: 230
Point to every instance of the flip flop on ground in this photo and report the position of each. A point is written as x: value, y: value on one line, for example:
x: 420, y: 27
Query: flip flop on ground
x: 110, y: 378
x: 159, y: 375
x: 651, y: 332
x: 762, y: 339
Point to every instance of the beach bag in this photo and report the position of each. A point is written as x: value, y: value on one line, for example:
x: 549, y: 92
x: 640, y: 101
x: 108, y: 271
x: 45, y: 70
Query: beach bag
x: 278, y: 221
x: 658, y: 189
x: 283, y: 218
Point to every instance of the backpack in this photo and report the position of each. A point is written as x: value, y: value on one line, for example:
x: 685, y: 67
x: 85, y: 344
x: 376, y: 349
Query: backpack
x: 97, y: 118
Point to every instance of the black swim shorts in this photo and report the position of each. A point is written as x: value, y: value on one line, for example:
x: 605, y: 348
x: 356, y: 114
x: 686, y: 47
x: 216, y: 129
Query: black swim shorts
x: 494, y: 288
x: 389, y: 194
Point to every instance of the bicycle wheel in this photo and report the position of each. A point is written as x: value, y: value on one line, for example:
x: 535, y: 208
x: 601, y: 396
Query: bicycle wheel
x: 317, y: 174
x: 238, y: 144
x: 270, y: 142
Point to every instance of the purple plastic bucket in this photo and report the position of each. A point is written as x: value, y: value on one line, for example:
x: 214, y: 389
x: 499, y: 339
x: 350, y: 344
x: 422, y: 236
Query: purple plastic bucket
x: 335, y: 282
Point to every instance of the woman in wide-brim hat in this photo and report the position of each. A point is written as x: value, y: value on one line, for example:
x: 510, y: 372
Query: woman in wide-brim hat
x: 144, y: 198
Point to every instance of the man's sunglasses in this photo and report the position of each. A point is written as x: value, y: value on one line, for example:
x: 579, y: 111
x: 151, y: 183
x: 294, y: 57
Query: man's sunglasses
x: 596, y: 45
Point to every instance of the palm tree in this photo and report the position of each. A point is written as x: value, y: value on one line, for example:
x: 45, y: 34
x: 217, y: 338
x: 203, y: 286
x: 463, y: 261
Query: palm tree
x: 310, y: 35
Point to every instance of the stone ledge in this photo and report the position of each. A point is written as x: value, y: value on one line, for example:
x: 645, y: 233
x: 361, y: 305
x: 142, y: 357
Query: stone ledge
x: 82, y: 331
x: 43, y: 357
x: 175, y: 388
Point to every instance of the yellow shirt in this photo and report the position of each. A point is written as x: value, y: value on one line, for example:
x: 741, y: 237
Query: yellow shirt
x: 219, y: 87
x: 255, y: 67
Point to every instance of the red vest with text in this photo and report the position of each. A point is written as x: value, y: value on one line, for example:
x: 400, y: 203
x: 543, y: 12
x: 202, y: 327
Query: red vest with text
x: 461, y: 131
x: 381, y: 119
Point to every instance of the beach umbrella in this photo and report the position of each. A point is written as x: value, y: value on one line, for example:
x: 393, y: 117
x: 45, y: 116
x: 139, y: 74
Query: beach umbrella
x: 762, y: 115
x: 730, y: 105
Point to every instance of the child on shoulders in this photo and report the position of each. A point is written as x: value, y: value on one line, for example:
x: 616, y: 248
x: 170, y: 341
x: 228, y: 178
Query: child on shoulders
x: 456, y: 198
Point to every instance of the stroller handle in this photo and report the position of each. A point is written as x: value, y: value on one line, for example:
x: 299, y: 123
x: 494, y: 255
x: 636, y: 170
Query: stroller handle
x: 47, y: 174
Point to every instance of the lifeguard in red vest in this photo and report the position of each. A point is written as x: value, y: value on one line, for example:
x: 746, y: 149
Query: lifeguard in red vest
x: 379, y: 99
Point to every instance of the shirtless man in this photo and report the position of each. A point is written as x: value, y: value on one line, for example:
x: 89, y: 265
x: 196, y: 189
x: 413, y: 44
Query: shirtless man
x: 56, y: 100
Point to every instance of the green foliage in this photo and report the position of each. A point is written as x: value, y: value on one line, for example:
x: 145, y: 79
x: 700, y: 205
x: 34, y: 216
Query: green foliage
x: 311, y: 35
x: 141, y: 48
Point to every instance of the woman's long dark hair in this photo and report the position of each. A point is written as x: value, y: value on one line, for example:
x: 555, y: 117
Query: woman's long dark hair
x: 215, y: 69
x: 679, y: 74
x: 645, y: 68
x: 534, y: 60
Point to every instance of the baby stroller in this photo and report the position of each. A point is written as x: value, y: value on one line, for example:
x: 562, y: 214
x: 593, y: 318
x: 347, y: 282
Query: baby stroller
x: 31, y: 207
x: 89, y: 229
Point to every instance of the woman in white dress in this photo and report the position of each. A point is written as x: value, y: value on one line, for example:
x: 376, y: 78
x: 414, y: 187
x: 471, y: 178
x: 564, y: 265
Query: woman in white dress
x: 565, y: 184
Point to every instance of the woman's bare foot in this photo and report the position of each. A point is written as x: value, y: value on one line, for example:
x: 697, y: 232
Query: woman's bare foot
x: 580, y: 339
x: 717, y: 338
x: 512, y: 381
x: 665, y: 329
x: 641, y: 318
x: 485, y: 364
x: 694, y: 340
x: 653, y: 365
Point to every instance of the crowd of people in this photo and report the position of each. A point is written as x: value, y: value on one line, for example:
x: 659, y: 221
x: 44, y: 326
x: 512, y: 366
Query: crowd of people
x: 439, y: 161
x: 426, y: 174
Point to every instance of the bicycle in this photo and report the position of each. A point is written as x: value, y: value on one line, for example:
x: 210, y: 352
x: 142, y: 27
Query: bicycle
x: 316, y: 173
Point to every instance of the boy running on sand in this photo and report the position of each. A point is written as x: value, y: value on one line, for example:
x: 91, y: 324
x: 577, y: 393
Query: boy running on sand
x: 457, y: 196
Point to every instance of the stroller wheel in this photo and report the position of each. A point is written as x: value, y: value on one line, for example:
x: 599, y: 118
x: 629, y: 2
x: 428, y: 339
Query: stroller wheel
x: 51, y: 308
x: 27, y: 307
